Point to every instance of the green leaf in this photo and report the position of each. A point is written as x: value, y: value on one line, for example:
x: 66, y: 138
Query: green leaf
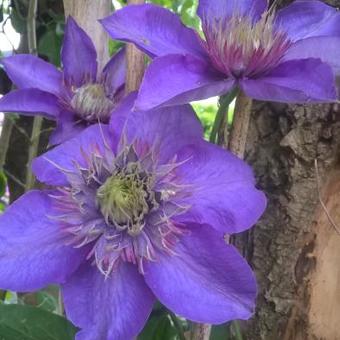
x: 159, y: 328
x: 3, y: 184
x: 31, y: 323
x: 220, y: 332
x: 49, y: 45
x: 18, y: 23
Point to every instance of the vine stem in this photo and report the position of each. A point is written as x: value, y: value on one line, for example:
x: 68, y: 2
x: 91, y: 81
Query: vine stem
x: 240, y: 126
x: 135, y: 62
x: 4, y: 139
x: 224, y: 103
x: 38, y: 121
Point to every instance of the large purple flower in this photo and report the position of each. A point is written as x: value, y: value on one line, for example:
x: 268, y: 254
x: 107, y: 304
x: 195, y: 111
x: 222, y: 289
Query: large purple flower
x: 134, y: 214
x: 76, y: 96
x: 287, y: 57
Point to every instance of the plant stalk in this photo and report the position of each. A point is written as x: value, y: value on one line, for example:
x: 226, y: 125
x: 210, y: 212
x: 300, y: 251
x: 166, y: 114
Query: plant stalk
x: 224, y: 103
x: 240, y: 126
x: 37, y: 121
x: 4, y: 139
x: 200, y: 332
x: 135, y: 62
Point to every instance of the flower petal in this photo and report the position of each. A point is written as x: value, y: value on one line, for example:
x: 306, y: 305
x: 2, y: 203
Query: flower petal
x: 51, y: 168
x: 294, y: 81
x: 223, y: 192
x: 114, y: 72
x: 210, y: 11
x: 78, y: 55
x: 325, y: 48
x: 206, y: 281
x: 310, y: 18
x: 154, y: 29
x: 67, y: 128
x: 168, y: 128
x: 177, y: 79
x: 27, y: 71
x: 114, y: 307
x: 31, y: 102
x: 33, y: 253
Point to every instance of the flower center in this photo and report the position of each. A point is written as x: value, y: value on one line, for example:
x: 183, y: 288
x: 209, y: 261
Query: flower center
x: 92, y: 104
x: 238, y: 47
x: 125, y: 199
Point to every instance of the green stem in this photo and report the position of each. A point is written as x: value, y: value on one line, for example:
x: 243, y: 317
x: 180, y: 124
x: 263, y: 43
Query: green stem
x: 37, y: 121
x: 178, y: 326
x: 237, y: 330
x: 224, y: 103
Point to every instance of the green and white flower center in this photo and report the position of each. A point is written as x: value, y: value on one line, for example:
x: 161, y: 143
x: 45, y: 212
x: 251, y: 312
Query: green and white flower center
x: 92, y: 104
x: 125, y: 199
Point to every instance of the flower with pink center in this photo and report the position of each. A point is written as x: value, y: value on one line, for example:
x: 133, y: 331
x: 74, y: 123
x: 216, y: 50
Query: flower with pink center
x: 288, y: 56
x: 135, y: 212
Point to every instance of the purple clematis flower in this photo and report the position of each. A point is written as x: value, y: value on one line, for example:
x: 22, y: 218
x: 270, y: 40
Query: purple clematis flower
x: 76, y: 96
x: 287, y: 57
x: 135, y: 213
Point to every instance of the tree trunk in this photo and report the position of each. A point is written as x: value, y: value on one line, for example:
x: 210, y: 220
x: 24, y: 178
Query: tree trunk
x: 295, y: 249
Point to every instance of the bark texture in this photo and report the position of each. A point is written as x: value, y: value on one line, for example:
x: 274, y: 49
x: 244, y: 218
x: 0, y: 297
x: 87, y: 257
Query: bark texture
x: 294, y: 249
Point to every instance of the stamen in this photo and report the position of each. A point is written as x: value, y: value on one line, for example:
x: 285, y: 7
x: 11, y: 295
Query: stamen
x: 91, y: 103
x: 238, y: 47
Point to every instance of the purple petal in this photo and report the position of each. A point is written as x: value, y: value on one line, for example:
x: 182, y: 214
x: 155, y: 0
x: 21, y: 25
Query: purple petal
x: 223, y: 190
x: 51, y: 167
x: 154, y: 29
x: 310, y: 18
x: 33, y: 253
x: 114, y: 72
x: 294, y: 81
x: 169, y: 128
x: 27, y: 71
x: 78, y: 55
x: 210, y: 11
x: 206, y: 281
x: 325, y: 48
x: 67, y: 128
x: 31, y: 102
x: 114, y: 307
x: 178, y: 79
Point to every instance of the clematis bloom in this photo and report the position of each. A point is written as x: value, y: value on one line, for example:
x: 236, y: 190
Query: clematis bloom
x: 135, y: 212
x: 74, y: 97
x: 288, y: 57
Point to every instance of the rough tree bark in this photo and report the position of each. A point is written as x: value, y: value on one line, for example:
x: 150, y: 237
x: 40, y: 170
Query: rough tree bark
x: 294, y: 249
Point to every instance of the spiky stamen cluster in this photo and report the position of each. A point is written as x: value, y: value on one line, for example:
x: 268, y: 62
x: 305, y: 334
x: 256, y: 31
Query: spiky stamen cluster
x: 126, y: 197
x: 92, y: 104
x: 122, y: 206
x: 238, y: 47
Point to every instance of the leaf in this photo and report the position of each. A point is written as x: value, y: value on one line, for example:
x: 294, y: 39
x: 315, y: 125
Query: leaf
x: 220, y: 332
x: 18, y: 23
x: 159, y: 328
x: 31, y: 323
x: 49, y: 45
x: 3, y: 184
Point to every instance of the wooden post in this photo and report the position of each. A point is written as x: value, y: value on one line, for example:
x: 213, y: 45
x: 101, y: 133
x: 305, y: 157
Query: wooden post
x: 86, y: 13
x: 135, y: 62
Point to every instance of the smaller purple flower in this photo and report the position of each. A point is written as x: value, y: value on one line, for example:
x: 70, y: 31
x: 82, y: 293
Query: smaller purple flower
x: 290, y: 56
x: 134, y: 214
x: 75, y: 97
